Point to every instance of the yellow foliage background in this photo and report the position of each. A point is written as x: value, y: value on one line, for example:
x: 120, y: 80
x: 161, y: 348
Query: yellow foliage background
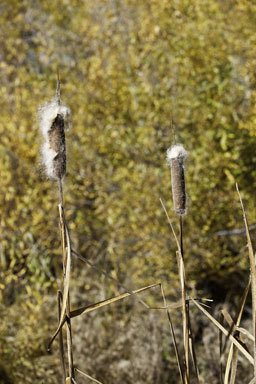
x: 128, y: 68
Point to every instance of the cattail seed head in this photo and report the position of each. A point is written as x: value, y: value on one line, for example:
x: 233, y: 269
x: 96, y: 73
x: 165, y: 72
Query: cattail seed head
x: 175, y: 159
x: 52, y: 118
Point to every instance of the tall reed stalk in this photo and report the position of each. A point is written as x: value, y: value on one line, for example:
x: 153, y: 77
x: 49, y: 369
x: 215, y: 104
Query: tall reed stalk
x: 65, y: 246
x: 175, y: 158
x: 52, y: 123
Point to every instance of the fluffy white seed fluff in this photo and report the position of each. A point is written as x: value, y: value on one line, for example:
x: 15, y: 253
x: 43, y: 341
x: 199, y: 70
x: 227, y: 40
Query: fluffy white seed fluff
x: 47, y: 114
x: 176, y: 151
x: 48, y: 156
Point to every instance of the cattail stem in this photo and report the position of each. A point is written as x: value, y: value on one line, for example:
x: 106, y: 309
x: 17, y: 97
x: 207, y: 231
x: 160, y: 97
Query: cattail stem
x: 61, y: 193
x: 52, y: 124
x: 61, y: 346
x: 181, y: 236
x: 175, y: 159
x: 69, y: 343
x: 58, y: 88
x: 64, y: 232
x: 185, y: 308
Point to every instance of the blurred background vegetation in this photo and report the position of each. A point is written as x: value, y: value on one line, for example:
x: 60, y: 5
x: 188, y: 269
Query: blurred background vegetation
x: 128, y: 68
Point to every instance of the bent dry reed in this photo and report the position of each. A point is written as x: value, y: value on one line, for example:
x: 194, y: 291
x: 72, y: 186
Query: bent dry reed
x: 52, y: 120
x: 175, y: 159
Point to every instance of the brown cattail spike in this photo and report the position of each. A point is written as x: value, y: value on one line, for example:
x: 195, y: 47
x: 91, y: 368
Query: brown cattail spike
x: 175, y: 158
x: 52, y: 123
x: 56, y: 136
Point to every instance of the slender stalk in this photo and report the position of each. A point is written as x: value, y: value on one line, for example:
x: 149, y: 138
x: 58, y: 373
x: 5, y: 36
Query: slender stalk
x: 173, y: 337
x: 65, y: 241
x: 58, y: 88
x: 253, y: 277
x: 233, y: 352
x: 181, y: 236
x: 61, y: 346
x: 191, y: 345
x: 237, y: 343
x: 184, y: 305
x: 221, y: 350
x: 61, y: 193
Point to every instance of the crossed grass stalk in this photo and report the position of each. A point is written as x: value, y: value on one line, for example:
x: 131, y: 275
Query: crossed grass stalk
x: 53, y: 120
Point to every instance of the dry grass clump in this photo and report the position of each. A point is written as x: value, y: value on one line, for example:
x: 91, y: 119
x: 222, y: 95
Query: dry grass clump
x: 124, y: 358
x: 234, y: 343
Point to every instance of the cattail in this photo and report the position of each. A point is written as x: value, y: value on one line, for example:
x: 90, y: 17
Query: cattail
x: 175, y: 157
x: 52, y: 123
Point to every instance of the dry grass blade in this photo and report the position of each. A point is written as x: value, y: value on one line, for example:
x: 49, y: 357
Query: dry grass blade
x: 88, y: 376
x: 191, y: 347
x: 68, y: 321
x: 253, y: 277
x: 67, y: 271
x: 230, y: 360
x: 56, y: 334
x: 246, y: 333
x: 170, y: 223
x: 92, y: 307
x: 233, y: 353
x: 61, y: 346
x: 228, y: 365
x: 228, y: 319
x: 184, y: 302
x: 103, y: 272
x: 183, y: 288
x: 226, y: 333
x: 234, y: 366
x: 221, y: 349
x: 173, y: 337
x: 70, y: 381
x: 103, y: 303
